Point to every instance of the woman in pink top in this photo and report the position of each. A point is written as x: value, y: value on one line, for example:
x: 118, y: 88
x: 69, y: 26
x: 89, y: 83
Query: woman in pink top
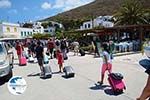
x: 106, y: 66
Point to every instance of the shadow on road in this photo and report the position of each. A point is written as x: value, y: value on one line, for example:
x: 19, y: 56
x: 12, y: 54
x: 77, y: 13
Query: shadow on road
x: 99, y: 87
x: 56, y: 72
x: 64, y: 76
x: 33, y: 74
x: 111, y: 92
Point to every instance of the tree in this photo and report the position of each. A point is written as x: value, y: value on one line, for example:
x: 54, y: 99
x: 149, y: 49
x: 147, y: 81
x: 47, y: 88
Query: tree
x: 41, y: 36
x: 131, y: 12
x: 47, y: 24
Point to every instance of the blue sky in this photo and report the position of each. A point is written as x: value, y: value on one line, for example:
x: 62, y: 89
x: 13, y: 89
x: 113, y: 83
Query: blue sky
x: 25, y: 10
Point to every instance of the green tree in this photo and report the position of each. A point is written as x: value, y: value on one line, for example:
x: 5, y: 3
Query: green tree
x: 41, y: 36
x: 47, y: 24
x: 131, y: 12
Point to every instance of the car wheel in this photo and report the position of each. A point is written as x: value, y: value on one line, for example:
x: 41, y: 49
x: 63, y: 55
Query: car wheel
x: 9, y: 76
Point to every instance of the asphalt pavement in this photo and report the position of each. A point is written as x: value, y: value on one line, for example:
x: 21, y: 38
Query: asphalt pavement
x: 82, y: 86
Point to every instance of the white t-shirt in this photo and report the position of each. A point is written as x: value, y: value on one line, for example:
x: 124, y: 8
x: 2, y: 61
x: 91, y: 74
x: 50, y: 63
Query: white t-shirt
x: 105, y: 53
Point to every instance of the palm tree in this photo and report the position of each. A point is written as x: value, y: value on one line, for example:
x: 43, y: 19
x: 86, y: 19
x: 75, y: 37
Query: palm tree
x: 132, y: 12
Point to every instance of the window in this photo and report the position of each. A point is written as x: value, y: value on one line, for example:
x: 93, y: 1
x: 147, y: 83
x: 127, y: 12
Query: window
x: 8, y: 29
x: 89, y: 25
x: 85, y: 26
x: 28, y: 33
x: 25, y: 34
x: 21, y: 33
x: 46, y: 31
x: 15, y: 29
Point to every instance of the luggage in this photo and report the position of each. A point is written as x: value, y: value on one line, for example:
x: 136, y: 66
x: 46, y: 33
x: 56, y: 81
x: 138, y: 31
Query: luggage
x: 47, y: 72
x: 69, y: 72
x: 116, y: 82
x: 22, y: 61
x: 82, y: 52
x: 30, y: 59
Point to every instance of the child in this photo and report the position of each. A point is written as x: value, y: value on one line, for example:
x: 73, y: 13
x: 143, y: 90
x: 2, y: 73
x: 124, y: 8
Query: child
x: 60, y: 60
x: 106, y: 63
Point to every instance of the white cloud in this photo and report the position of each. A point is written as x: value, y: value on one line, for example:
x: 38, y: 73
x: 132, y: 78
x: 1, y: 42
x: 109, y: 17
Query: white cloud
x: 46, y: 5
x: 59, y: 4
x: 5, y: 4
x: 25, y: 8
x: 13, y: 11
x: 70, y: 4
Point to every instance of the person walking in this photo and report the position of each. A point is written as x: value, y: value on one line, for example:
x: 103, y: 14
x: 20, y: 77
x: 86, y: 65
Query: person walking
x: 19, y: 49
x: 40, y: 56
x: 50, y: 47
x: 63, y: 47
x: 76, y: 47
x: 106, y: 62
x: 60, y: 59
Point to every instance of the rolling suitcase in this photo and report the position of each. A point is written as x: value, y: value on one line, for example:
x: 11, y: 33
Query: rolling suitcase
x: 69, y: 72
x: 82, y: 52
x: 22, y: 61
x: 116, y: 82
x: 31, y: 59
x: 47, y: 72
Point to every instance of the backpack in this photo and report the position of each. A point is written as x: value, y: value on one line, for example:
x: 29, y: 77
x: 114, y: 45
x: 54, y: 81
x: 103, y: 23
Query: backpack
x: 57, y: 43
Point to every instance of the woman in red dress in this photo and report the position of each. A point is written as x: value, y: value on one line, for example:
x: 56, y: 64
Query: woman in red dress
x: 19, y: 50
x: 60, y: 59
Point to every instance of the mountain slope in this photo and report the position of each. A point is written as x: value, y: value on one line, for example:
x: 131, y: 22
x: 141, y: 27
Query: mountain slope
x: 94, y: 9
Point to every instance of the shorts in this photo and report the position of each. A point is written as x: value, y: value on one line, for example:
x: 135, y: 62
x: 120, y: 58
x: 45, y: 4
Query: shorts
x: 106, y: 67
x: 40, y: 61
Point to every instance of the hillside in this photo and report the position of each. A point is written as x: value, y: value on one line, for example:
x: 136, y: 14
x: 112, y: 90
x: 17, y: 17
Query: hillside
x: 94, y: 9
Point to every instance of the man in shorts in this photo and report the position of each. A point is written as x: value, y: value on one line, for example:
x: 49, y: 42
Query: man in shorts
x: 40, y: 56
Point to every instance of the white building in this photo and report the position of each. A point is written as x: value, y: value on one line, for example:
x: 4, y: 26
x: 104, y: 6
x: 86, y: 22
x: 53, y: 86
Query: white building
x: 50, y: 30
x: 104, y: 21
x: 9, y: 30
x: 38, y: 28
x: 87, y: 25
x: 25, y: 32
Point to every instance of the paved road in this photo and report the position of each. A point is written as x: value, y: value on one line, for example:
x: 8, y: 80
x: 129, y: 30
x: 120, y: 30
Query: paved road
x: 82, y: 87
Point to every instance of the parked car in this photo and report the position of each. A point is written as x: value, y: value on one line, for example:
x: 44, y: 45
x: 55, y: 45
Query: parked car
x: 5, y: 63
